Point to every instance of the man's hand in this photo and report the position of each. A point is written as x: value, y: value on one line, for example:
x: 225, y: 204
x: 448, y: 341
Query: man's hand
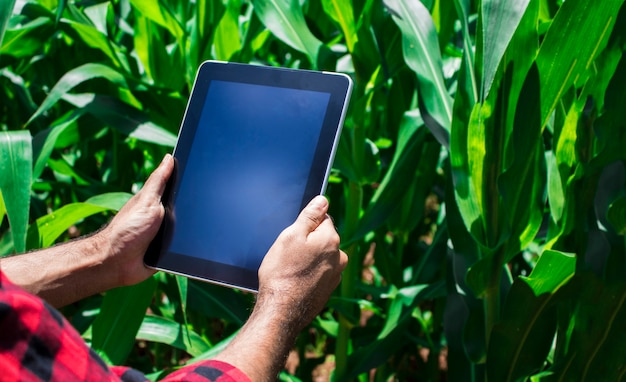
x: 304, y: 265
x: 111, y: 258
x: 130, y: 232
x: 296, y: 278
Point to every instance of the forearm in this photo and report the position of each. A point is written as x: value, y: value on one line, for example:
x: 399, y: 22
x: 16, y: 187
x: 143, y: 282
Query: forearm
x: 261, y: 348
x: 64, y: 273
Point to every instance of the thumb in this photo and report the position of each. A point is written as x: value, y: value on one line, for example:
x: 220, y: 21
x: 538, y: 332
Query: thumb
x: 313, y: 214
x: 158, y: 179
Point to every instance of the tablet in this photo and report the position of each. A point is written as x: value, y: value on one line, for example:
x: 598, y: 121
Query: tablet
x: 255, y: 146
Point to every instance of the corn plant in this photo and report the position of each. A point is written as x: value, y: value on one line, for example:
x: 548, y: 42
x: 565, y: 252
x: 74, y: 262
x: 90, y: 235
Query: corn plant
x: 479, y: 184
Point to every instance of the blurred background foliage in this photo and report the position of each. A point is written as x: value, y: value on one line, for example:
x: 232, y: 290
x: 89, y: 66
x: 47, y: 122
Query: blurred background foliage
x: 479, y: 186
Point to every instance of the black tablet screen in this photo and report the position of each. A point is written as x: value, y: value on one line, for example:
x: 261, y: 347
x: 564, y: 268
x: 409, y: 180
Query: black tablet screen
x: 251, y: 155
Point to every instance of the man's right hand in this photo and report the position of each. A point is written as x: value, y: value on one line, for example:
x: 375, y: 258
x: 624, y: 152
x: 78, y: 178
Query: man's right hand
x: 296, y: 278
x: 304, y: 265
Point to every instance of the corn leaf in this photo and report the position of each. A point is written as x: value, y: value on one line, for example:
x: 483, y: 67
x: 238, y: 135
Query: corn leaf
x: 227, y: 38
x: 343, y: 14
x: 16, y: 167
x: 6, y: 8
x: 399, y: 315
x: 162, y: 330
x: 392, y: 188
x: 45, y: 141
x: 26, y: 40
x: 162, y: 15
x: 98, y: 40
x: 577, y: 35
x: 75, y: 77
x: 121, y: 315
x: 123, y: 117
x: 285, y: 19
x: 520, y: 343
x: 499, y: 18
x: 214, y: 351
x: 592, y: 326
x: 49, y: 227
x: 420, y: 46
x: 216, y: 301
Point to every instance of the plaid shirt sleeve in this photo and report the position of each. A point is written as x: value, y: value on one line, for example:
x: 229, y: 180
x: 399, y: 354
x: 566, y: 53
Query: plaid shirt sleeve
x: 38, y: 344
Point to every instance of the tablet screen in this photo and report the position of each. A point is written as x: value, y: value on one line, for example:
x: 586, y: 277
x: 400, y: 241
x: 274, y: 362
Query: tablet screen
x: 255, y: 172
x: 255, y: 146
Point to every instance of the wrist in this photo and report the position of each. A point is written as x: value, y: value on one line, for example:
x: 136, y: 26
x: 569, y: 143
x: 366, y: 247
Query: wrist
x: 99, y: 246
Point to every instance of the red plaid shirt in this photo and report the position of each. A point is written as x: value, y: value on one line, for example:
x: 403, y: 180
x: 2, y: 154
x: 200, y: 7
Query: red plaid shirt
x: 38, y: 344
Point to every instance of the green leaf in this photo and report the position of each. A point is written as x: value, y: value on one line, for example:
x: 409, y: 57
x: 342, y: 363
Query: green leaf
x: 499, y: 18
x: 48, y: 228
x: 16, y: 167
x: 75, y: 77
x: 469, y: 80
x: 160, y: 14
x: 592, y: 331
x: 121, y: 315
x: 98, y: 40
x: 3, y: 208
x: 183, y: 286
x: 6, y: 8
x: 617, y: 215
x: 522, y: 183
x: 343, y: 14
x: 520, y: 343
x: 123, y: 117
x: 113, y: 201
x: 27, y: 40
x: 45, y: 141
x: 420, y: 46
x: 217, y: 301
x: 285, y: 19
x: 402, y: 170
x: 162, y: 330
x: 402, y: 303
x: 214, y: 351
x: 97, y: 14
x: 578, y: 33
x: 227, y: 39
x: 364, y: 170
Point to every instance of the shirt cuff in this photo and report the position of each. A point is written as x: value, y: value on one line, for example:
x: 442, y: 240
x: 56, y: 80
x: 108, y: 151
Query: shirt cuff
x: 211, y: 370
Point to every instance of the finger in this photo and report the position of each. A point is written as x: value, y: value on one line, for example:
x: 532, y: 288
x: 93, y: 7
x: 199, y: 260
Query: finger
x: 313, y: 214
x: 158, y: 179
x: 343, y: 260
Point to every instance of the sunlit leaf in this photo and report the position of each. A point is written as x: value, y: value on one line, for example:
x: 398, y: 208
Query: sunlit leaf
x: 284, y: 18
x: 421, y: 52
x: 227, y: 38
x: 50, y: 227
x: 123, y: 117
x: 162, y: 330
x: 343, y: 14
x: 75, y: 77
x: 161, y: 15
x: 577, y: 35
x: 26, y: 40
x: 499, y: 18
x: 16, y: 167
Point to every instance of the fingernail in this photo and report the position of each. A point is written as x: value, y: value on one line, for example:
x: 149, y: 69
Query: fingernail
x: 319, y: 201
